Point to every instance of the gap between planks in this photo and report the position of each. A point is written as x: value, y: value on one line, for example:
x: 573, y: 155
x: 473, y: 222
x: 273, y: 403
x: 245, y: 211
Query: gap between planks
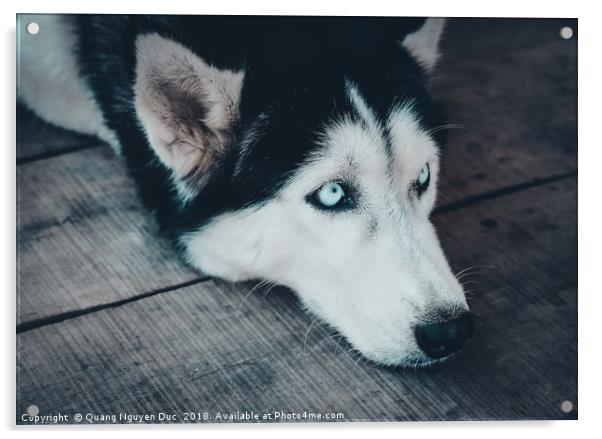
x: 500, y: 192
x: 60, y: 152
x: 57, y: 318
x: 445, y: 208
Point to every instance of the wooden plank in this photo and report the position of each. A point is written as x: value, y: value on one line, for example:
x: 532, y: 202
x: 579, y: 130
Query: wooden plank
x: 37, y: 138
x: 213, y: 347
x: 511, y: 85
x: 83, y: 237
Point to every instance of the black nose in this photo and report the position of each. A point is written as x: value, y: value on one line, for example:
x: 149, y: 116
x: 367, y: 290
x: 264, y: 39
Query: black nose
x: 441, y: 338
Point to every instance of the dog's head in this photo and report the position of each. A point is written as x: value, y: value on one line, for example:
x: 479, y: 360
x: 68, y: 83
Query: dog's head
x: 318, y: 173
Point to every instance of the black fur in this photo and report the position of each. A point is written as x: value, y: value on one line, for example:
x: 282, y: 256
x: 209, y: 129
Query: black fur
x: 295, y: 68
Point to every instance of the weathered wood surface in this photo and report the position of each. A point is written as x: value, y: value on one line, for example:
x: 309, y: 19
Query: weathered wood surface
x: 211, y: 348
x: 511, y: 88
x: 36, y: 138
x: 85, y: 243
x: 84, y: 239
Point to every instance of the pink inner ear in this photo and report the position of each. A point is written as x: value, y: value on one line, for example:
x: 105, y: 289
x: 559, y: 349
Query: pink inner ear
x: 188, y: 108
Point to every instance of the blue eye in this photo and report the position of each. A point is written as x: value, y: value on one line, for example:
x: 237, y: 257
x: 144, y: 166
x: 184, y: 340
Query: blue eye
x: 332, y: 196
x: 421, y: 184
x: 424, y: 175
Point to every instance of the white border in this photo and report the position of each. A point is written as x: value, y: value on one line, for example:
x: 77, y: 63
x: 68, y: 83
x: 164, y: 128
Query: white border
x: 590, y: 221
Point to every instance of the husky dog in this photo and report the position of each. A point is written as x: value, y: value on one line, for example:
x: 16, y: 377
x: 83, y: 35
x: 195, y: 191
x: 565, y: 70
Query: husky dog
x: 300, y: 150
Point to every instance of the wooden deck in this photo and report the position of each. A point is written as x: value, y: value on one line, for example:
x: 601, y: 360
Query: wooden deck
x: 110, y: 321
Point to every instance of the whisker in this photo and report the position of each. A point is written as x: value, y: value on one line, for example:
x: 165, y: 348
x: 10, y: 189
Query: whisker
x: 467, y: 271
x: 337, y: 345
x: 460, y: 273
x: 330, y: 336
x: 272, y: 286
x: 258, y: 285
x: 350, y: 351
x: 447, y: 127
x: 360, y: 360
x: 307, y: 333
x: 357, y: 356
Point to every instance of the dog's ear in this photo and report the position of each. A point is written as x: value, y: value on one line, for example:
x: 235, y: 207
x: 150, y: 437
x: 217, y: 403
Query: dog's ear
x: 187, y: 107
x: 424, y: 43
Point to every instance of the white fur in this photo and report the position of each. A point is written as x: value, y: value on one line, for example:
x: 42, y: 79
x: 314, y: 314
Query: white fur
x: 371, y: 273
x: 48, y: 81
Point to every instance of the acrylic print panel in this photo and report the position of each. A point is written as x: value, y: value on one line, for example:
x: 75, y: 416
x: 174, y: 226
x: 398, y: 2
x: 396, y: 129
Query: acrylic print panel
x: 295, y: 219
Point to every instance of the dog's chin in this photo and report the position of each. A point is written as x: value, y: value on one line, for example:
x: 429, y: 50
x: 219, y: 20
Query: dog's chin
x: 403, y: 362
x: 410, y: 357
x: 413, y: 361
x: 384, y: 355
